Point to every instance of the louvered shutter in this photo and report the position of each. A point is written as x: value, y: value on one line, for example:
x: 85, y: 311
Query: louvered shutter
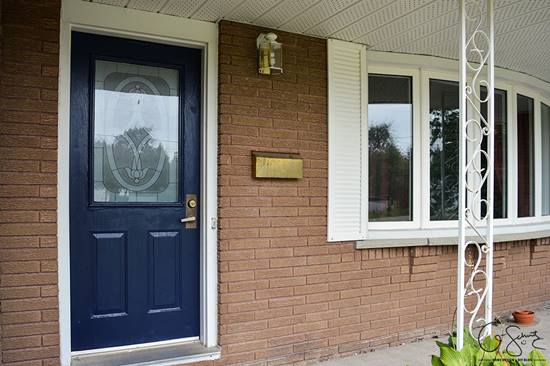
x: 347, y: 141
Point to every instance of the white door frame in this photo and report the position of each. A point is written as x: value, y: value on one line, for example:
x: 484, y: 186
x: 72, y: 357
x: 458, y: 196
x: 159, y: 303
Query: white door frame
x: 129, y: 23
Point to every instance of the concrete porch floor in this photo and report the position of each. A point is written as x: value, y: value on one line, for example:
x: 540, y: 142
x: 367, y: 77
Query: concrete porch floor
x: 419, y: 353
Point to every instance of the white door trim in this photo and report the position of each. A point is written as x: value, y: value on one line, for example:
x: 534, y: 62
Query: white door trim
x: 135, y: 24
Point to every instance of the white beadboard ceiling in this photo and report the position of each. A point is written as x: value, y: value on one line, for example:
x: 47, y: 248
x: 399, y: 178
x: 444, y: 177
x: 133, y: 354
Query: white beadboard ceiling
x: 522, y: 27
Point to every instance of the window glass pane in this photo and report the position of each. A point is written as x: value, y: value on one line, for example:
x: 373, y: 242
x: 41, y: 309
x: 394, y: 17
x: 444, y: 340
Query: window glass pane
x: 444, y: 128
x: 390, y: 148
x: 545, y: 124
x: 525, y: 119
x: 135, y: 133
x: 501, y: 153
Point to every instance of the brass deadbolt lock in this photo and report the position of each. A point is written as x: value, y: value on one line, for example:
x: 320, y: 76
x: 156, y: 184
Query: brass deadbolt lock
x: 192, y: 203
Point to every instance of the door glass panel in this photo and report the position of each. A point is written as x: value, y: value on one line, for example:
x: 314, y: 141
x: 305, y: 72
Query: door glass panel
x: 135, y: 126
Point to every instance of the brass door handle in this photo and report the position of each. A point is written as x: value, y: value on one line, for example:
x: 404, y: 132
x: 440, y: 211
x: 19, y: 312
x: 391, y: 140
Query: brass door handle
x: 188, y: 219
x: 191, y: 214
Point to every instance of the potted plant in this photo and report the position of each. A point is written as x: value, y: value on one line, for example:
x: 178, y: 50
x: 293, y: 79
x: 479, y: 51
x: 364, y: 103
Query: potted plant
x: 523, y: 317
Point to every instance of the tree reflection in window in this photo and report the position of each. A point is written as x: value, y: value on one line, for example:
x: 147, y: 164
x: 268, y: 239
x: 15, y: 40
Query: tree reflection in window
x: 390, y: 148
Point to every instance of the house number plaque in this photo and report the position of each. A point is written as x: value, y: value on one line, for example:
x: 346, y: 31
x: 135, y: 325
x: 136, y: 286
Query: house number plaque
x: 277, y: 165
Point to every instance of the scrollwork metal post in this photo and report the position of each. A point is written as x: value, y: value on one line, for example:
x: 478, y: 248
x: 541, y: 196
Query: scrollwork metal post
x: 475, y: 226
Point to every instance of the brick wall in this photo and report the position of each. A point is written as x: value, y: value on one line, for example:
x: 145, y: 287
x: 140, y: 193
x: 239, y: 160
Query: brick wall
x: 286, y: 295
x: 28, y: 143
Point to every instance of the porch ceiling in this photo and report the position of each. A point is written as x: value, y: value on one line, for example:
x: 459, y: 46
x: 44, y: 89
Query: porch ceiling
x: 522, y: 27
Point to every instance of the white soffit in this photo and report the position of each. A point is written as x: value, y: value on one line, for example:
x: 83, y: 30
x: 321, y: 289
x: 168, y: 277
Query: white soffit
x: 428, y: 27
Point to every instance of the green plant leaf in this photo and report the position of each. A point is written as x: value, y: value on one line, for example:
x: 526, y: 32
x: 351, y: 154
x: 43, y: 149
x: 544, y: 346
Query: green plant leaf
x: 436, y: 361
x: 452, y: 340
x: 491, y: 344
x: 468, y: 354
x: 472, y: 354
x: 537, y: 358
x: 484, y: 358
x: 511, y: 358
x: 470, y: 340
x: 451, y: 357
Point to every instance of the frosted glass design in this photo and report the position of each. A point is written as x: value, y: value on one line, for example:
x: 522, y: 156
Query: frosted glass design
x: 136, y: 148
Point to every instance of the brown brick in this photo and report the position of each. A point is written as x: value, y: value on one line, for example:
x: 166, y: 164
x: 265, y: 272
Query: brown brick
x: 21, y: 317
x: 29, y: 329
x: 19, y: 292
x: 30, y: 354
x: 20, y: 267
x: 29, y: 279
x: 274, y: 293
x: 28, y: 304
x: 22, y: 342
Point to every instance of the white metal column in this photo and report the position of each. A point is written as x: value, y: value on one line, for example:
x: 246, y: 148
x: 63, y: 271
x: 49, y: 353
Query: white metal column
x: 475, y: 230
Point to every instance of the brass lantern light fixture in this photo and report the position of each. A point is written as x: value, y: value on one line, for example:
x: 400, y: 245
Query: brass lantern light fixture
x: 270, y: 54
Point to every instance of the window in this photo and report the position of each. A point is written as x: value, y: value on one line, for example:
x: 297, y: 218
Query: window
x: 545, y: 144
x: 394, y: 139
x: 444, y: 144
x: 525, y: 163
x: 501, y: 153
x: 390, y: 147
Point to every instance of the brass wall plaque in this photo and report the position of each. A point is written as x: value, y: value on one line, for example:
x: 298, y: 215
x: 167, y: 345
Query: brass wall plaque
x: 277, y: 165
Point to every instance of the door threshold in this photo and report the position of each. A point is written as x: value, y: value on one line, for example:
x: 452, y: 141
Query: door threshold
x: 133, y: 347
x: 173, y: 353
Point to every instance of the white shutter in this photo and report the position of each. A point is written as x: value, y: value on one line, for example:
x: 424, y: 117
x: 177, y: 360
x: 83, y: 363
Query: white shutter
x: 347, y: 141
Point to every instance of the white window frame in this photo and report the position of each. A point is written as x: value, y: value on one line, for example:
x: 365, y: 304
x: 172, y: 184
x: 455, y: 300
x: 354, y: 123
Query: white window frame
x: 421, y: 230
x: 77, y: 15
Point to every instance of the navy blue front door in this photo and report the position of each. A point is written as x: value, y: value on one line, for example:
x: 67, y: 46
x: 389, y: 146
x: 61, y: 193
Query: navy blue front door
x: 134, y: 174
